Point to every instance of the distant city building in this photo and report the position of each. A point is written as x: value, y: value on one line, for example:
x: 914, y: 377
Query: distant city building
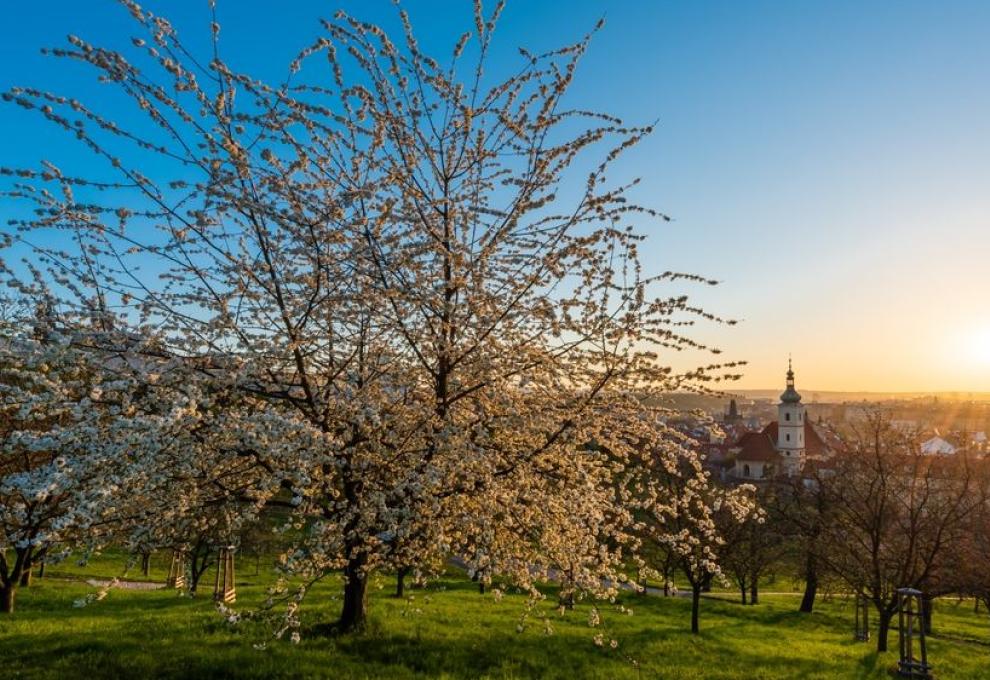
x: 732, y: 416
x: 937, y: 446
x: 783, y: 446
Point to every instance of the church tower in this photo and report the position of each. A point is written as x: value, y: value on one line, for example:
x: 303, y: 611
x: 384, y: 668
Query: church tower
x: 790, y: 426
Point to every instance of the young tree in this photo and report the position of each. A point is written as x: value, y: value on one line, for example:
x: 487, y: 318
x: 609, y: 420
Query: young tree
x: 753, y: 545
x: 200, y: 480
x: 687, y: 515
x: 62, y: 450
x: 403, y: 264
x: 803, y: 509
x: 896, y: 514
x: 965, y: 565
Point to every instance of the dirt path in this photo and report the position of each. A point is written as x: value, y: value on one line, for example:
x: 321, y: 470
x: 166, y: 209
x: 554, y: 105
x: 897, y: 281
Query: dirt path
x: 125, y: 585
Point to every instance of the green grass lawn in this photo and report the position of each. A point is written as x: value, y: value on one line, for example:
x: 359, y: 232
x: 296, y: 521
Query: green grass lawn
x: 450, y: 631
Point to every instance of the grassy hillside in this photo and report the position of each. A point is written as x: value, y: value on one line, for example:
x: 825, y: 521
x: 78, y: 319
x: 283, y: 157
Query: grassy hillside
x: 450, y: 631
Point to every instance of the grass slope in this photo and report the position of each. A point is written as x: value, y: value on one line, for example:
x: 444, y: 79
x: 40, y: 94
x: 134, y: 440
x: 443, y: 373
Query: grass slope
x: 450, y: 631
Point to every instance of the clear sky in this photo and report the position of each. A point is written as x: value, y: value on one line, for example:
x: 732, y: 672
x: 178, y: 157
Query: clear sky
x: 828, y: 162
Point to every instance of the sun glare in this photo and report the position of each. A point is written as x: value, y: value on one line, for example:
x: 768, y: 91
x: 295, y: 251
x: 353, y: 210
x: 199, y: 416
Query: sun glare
x: 977, y: 345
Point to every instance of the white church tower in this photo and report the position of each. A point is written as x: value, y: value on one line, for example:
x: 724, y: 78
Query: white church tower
x: 790, y: 426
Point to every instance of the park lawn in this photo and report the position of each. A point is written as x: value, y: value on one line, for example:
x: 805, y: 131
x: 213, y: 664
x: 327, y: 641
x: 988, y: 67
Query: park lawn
x: 450, y: 631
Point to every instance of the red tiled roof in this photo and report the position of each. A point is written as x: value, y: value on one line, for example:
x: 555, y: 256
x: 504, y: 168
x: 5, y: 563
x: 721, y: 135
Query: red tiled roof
x: 813, y: 444
x: 762, y: 446
x: 757, y: 446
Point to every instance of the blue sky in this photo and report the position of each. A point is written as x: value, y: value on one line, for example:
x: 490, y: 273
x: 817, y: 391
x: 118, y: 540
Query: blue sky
x: 828, y: 162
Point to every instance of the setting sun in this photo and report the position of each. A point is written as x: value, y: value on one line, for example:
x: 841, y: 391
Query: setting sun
x: 976, y: 345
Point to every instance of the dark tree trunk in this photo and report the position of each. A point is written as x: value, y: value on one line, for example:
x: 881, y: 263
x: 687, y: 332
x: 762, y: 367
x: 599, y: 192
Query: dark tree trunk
x: 41, y: 570
x: 666, y: 588
x: 927, y: 603
x: 200, y: 561
x: 400, y: 582
x: 883, y: 629
x: 354, y: 613
x: 8, y: 592
x: 26, y: 577
x: 479, y: 578
x: 145, y: 564
x: 742, y: 591
x: 7, y: 596
x: 754, y: 591
x: 695, y: 607
x: 195, y: 574
x: 810, y: 586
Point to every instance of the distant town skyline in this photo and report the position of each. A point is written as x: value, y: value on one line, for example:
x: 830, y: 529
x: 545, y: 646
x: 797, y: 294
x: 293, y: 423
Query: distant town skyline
x: 826, y: 163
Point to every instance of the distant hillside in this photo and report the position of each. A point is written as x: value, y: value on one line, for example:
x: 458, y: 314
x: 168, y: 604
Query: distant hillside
x: 812, y: 395
x: 686, y: 401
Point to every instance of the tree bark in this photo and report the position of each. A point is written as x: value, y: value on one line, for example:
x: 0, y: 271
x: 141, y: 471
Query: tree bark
x: 742, y: 591
x: 810, y: 586
x: 927, y: 603
x: 26, y: 577
x: 200, y: 560
x: 145, y: 563
x: 400, y: 582
x: 354, y: 613
x: 754, y: 591
x: 883, y: 629
x: 195, y: 574
x: 695, y: 607
x: 479, y: 578
x: 8, y: 592
x: 566, y: 599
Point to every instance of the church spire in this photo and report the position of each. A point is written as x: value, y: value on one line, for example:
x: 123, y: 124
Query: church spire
x: 790, y: 395
x: 791, y: 425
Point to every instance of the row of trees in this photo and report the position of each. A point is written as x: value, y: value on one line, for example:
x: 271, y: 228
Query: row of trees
x: 391, y: 296
x: 877, y: 517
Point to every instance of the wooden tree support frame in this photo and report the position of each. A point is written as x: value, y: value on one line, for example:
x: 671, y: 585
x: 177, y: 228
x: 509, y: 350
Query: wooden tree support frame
x: 862, y: 633
x: 177, y: 570
x: 223, y: 588
x: 911, y: 626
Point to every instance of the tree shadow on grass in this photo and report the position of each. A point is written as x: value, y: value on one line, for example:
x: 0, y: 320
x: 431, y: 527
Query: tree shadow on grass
x: 145, y: 635
x: 569, y: 657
